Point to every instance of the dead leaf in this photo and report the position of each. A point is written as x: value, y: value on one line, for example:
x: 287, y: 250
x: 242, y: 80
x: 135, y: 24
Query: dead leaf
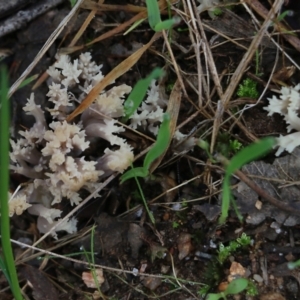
x: 90, y: 281
x: 272, y: 296
x: 119, y: 70
x: 236, y: 271
x: 152, y: 283
x: 184, y: 244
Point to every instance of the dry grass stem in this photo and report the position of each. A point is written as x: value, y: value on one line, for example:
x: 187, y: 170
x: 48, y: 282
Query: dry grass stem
x: 45, y: 48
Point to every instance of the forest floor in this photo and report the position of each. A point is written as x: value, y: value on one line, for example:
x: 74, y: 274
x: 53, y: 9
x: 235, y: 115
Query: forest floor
x: 205, y: 61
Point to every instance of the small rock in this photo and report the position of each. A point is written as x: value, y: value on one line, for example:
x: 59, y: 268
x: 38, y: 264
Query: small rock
x: 184, y: 245
x: 152, y: 283
x: 258, y: 278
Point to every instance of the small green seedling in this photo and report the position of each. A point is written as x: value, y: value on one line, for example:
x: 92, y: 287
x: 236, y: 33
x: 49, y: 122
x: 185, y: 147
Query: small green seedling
x: 227, y: 146
x: 246, y: 155
x: 234, y: 287
x: 154, y: 19
x: 213, y: 274
x: 175, y: 225
x: 283, y: 15
x: 138, y: 93
x: 248, y: 88
x: 158, y: 148
x: 225, y: 251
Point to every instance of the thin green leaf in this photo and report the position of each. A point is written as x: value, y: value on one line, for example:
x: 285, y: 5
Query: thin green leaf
x: 135, y: 172
x: 282, y: 15
x: 214, y: 296
x: 138, y: 93
x: 4, y: 270
x: 246, y: 155
x: 158, y: 148
x: 150, y: 214
x: 167, y: 24
x: 153, y: 13
x: 161, y: 144
x: 236, y: 286
x: 133, y: 26
x: 28, y: 80
x: 250, y: 153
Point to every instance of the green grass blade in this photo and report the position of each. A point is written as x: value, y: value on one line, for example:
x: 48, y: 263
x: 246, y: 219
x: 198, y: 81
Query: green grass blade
x: 133, y: 26
x: 246, y: 155
x: 134, y: 172
x: 28, y: 81
x: 158, y: 148
x: 150, y: 214
x: 282, y: 15
x: 167, y: 24
x: 153, y: 13
x: 4, y: 270
x: 138, y: 93
x: 250, y: 153
x: 4, y: 180
x: 161, y: 143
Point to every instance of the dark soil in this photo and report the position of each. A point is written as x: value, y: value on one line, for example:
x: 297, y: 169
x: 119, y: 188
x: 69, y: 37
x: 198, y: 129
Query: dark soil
x: 175, y: 256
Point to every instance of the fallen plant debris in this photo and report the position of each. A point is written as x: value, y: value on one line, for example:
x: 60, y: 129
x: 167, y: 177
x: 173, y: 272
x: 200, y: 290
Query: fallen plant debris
x: 279, y: 180
x: 125, y: 84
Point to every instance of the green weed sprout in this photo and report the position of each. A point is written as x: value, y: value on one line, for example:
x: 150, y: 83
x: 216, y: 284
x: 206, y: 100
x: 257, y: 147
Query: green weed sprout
x: 154, y: 19
x: 212, y: 275
x: 248, y: 88
x: 227, y: 146
x: 246, y: 155
x: 158, y: 148
x: 7, y: 263
x: 225, y: 251
x: 234, y: 287
x: 138, y: 93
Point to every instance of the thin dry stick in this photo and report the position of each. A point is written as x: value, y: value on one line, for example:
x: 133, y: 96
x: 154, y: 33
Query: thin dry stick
x: 263, y: 12
x: 196, y: 46
x: 237, y: 75
x: 118, y: 71
x: 174, y: 63
x: 273, y: 41
x: 209, y: 58
x: 226, y: 37
x: 279, y: 204
x: 84, y: 25
x: 141, y: 15
x: 42, y: 251
x: 45, y: 48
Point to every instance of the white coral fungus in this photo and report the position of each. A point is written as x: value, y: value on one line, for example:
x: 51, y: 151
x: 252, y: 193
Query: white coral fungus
x: 287, y: 105
x: 18, y: 204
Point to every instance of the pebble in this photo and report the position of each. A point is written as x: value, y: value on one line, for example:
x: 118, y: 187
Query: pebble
x: 257, y: 278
